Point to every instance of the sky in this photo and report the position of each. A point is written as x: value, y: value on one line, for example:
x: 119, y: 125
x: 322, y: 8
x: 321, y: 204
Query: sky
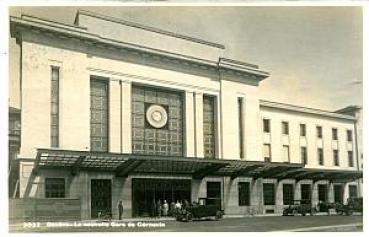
x: 314, y: 54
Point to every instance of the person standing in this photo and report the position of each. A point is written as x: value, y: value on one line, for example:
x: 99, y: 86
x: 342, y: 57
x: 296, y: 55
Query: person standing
x: 120, y: 209
x: 165, y: 208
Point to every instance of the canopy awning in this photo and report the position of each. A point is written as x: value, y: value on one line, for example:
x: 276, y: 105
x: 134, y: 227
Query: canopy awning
x: 125, y: 164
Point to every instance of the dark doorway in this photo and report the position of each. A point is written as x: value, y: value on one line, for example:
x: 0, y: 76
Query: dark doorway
x: 100, y: 197
x: 288, y: 194
x: 322, y: 192
x: 306, y: 191
x: 338, y: 193
x: 352, y: 191
x: 147, y: 191
x: 213, y: 191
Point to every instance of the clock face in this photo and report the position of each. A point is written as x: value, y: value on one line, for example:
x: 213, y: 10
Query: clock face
x: 156, y: 116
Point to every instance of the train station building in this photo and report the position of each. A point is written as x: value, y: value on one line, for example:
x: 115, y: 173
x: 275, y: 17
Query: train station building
x: 113, y: 110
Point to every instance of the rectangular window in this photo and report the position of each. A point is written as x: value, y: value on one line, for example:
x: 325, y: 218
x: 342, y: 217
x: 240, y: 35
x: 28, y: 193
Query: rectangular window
x: 266, y: 125
x: 54, y: 188
x: 349, y: 135
x: 285, y: 129
x: 336, y: 158
x: 350, y: 158
x: 54, y: 134
x: 322, y: 192
x: 209, y: 127
x: 99, y: 115
x: 286, y: 153
x: 287, y: 194
x: 334, y: 134
x: 267, y: 153
x: 305, y: 191
x: 268, y: 194
x: 244, y: 194
x: 302, y: 130
x: 240, y: 125
x: 352, y: 191
x: 320, y: 156
x: 304, y: 155
x: 319, y: 132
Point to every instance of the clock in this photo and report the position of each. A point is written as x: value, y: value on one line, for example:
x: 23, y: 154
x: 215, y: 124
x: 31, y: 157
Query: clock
x: 156, y: 116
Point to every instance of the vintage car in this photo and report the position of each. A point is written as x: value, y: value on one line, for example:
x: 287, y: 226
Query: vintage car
x: 299, y: 207
x: 353, y: 205
x: 204, y: 208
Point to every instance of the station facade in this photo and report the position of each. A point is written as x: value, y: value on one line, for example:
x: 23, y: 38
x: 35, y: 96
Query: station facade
x: 112, y: 110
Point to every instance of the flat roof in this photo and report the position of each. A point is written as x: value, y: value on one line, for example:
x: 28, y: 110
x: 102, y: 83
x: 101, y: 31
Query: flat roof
x: 307, y: 110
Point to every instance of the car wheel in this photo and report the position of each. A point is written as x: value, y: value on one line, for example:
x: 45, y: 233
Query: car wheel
x: 218, y: 215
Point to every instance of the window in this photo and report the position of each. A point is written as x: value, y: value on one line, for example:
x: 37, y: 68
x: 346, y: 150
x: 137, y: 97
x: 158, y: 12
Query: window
x: 244, y: 194
x: 320, y: 156
x: 349, y: 135
x: 350, y: 158
x: 209, y: 127
x: 54, y: 188
x: 54, y: 129
x: 303, y: 155
x: 322, y: 192
x: 285, y: 128
x: 149, y: 140
x: 268, y: 194
x: 336, y: 158
x: 99, y: 115
x: 334, y: 134
x: 240, y: 125
x: 302, y: 130
x: 352, y: 191
x: 319, y: 132
x: 267, y: 153
x: 266, y: 125
x: 286, y: 153
x: 287, y: 194
x: 305, y: 191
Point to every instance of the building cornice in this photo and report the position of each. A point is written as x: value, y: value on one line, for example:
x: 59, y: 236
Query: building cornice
x: 305, y: 110
x: 146, y: 28
x: 19, y: 24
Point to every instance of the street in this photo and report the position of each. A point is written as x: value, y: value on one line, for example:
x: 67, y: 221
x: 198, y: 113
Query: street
x: 244, y: 224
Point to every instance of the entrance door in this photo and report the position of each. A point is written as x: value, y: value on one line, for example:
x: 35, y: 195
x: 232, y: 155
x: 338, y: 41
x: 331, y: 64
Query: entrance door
x: 147, y: 191
x: 306, y: 191
x: 338, y: 193
x: 213, y: 191
x: 100, y: 197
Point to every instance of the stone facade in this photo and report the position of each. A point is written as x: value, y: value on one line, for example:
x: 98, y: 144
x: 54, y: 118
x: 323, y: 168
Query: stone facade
x: 194, y: 67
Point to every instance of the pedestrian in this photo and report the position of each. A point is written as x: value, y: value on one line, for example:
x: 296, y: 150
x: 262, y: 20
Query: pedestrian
x: 158, y: 209
x: 165, y: 208
x: 178, y: 206
x: 120, y: 209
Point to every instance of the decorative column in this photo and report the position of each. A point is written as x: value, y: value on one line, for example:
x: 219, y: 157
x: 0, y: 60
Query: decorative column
x: 199, y: 140
x: 190, y: 124
x: 126, y: 114
x: 114, y: 116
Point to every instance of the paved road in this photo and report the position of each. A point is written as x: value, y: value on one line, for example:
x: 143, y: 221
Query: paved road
x: 255, y: 224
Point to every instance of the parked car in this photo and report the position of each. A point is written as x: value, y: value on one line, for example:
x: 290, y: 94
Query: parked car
x: 204, y: 208
x: 299, y: 207
x: 353, y: 205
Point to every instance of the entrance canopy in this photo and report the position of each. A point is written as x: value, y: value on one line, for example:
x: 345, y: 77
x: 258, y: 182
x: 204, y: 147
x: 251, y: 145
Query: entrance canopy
x: 125, y: 164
